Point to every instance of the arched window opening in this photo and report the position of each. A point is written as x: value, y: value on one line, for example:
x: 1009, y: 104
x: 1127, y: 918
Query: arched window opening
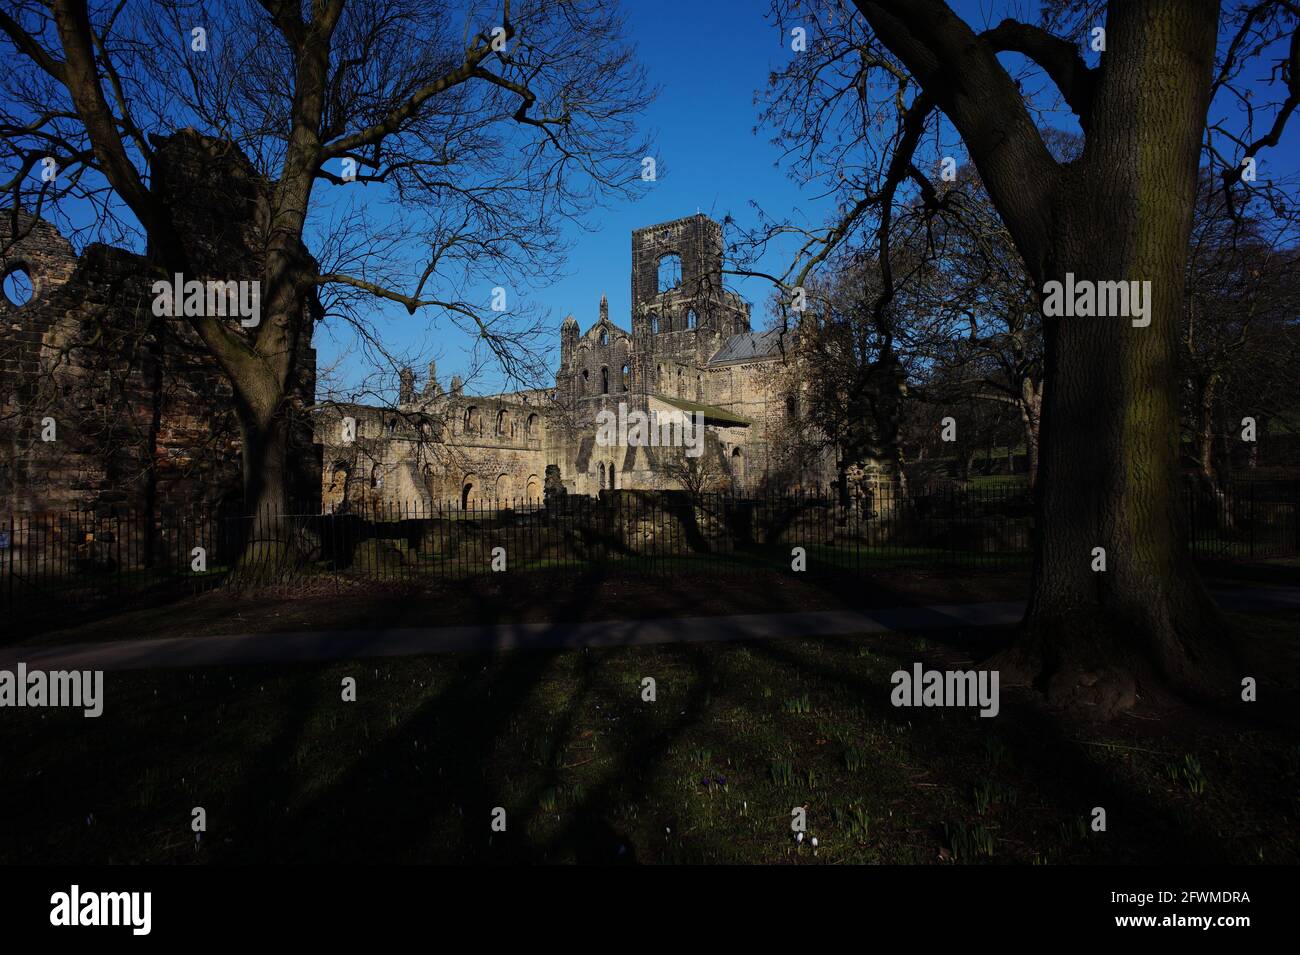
x: 692, y: 321
x: 469, y: 491
x: 600, y: 474
x: 604, y: 337
x: 604, y: 381
x: 654, y: 324
x: 670, y: 272
x: 18, y: 286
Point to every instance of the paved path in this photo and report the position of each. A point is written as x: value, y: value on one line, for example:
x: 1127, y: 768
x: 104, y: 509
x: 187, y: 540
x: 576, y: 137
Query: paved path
x: 317, y: 645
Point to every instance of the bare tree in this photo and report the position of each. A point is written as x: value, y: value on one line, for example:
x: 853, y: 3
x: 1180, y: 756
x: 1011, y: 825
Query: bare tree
x: 1238, y: 349
x: 1140, y: 78
x: 697, y: 475
x: 473, y: 136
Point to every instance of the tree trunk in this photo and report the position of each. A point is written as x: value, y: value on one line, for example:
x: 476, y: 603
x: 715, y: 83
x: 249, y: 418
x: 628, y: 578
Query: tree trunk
x: 1208, y: 474
x: 1030, y: 403
x: 268, y: 544
x: 265, y: 422
x: 1109, y: 465
x: 967, y: 463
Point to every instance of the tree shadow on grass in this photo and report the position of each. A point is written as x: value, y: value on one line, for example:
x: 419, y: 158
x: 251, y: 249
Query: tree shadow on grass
x: 1045, y: 752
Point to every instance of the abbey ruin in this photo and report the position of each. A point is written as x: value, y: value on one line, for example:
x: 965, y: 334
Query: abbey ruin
x: 143, y: 417
x: 690, y: 352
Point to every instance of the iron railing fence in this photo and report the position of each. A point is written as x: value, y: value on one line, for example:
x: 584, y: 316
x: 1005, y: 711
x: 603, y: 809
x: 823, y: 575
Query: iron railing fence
x: 56, y: 563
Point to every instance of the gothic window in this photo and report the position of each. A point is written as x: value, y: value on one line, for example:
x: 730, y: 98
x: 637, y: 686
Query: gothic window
x: 654, y: 324
x: 604, y: 337
x: 604, y: 381
x: 670, y: 272
x: 692, y: 322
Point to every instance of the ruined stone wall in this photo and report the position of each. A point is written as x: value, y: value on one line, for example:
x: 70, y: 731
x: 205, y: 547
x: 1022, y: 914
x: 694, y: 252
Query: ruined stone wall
x: 142, y: 416
x: 687, y: 323
x: 139, y: 417
x: 450, y: 451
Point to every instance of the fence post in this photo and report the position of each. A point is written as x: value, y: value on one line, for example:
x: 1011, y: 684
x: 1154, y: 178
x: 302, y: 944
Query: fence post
x: 1295, y: 512
x: 1252, y: 520
x: 13, y: 545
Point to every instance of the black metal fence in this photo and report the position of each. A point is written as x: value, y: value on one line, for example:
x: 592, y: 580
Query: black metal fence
x: 53, y: 563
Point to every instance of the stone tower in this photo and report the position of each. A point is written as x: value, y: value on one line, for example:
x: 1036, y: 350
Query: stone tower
x: 681, y: 314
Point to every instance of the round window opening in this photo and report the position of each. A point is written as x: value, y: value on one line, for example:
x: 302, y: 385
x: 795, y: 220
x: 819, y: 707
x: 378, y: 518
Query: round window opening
x: 18, y: 288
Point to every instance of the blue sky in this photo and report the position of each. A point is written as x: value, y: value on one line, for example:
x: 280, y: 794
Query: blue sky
x: 708, y: 59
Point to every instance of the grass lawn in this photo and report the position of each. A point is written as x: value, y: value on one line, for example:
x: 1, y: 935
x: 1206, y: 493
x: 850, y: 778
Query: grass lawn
x: 587, y: 771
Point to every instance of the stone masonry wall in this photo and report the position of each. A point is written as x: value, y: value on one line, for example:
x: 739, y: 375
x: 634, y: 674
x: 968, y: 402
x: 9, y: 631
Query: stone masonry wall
x: 142, y: 416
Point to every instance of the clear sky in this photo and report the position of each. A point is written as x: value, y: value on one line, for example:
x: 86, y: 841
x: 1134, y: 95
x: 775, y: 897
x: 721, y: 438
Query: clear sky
x: 708, y: 58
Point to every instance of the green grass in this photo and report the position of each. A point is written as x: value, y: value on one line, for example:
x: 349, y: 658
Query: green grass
x: 739, y: 735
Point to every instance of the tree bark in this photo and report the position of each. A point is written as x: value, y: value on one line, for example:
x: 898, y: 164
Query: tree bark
x: 1208, y: 472
x: 1031, y: 401
x: 1109, y: 466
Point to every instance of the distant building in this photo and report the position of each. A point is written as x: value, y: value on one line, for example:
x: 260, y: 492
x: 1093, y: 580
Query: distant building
x: 690, y: 350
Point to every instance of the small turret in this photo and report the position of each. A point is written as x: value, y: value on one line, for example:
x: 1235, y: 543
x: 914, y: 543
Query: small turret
x: 568, y: 340
x: 431, y: 387
x: 406, y: 387
x: 604, y: 308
